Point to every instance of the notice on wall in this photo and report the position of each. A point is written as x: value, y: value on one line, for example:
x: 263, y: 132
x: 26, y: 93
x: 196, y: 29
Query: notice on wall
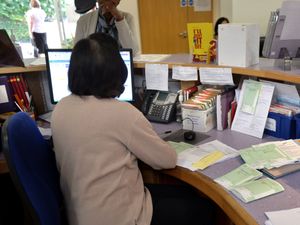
x: 157, y: 76
x: 202, y: 5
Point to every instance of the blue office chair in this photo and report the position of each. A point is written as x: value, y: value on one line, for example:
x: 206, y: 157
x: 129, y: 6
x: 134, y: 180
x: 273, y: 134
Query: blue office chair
x: 32, y: 166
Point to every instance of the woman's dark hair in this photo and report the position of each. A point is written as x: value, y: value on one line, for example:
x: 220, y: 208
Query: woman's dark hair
x: 96, y: 67
x: 220, y: 21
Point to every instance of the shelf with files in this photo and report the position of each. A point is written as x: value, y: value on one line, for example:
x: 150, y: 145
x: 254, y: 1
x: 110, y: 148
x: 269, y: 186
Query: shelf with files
x: 34, y: 75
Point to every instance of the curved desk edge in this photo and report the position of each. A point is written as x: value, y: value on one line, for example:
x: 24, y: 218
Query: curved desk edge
x: 215, y: 192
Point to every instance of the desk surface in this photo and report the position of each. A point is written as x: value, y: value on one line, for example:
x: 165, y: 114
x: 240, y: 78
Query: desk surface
x: 240, y: 213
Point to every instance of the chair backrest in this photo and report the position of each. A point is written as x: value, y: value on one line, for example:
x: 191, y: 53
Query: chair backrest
x: 32, y: 165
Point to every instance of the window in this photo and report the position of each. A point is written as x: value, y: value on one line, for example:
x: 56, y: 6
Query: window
x: 60, y: 23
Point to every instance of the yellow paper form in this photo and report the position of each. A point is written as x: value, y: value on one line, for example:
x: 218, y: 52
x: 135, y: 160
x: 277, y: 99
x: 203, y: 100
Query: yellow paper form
x: 208, y: 160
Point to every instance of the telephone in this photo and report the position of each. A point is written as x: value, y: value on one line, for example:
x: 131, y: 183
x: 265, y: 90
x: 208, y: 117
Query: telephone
x: 159, y: 106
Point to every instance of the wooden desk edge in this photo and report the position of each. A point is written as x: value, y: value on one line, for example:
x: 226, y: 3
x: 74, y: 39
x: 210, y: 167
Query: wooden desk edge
x: 14, y: 69
x: 215, y: 192
x: 206, y: 186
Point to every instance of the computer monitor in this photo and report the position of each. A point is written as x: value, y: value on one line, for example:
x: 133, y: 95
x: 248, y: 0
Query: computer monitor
x: 57, y: 62
x: 283, y: 35
x: 9, y: 55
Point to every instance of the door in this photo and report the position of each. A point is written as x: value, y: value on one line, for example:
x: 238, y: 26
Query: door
x: 163, y: 25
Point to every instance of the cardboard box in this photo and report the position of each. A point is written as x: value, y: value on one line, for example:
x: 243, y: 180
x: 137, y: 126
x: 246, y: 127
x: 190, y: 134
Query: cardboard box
x: 238, y: 44
x: 199, y: 120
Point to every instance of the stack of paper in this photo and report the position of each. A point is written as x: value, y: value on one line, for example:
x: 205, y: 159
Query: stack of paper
x: 238, y: 176
x: 242, y: 183
x: 202, y: 156
x: 257, y: 189
x: 271, y: 154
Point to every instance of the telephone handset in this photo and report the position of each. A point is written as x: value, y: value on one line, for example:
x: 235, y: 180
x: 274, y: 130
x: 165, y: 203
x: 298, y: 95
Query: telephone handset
x: 159, y: 106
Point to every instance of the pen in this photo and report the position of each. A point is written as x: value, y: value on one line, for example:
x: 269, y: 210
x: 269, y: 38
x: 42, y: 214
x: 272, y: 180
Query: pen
x: 19, y: 107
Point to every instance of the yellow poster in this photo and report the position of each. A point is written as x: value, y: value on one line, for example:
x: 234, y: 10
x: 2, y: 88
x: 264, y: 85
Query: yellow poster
x: 199, y: 36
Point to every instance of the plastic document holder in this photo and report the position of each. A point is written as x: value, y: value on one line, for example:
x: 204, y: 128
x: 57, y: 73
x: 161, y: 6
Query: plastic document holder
x: 280, y: 126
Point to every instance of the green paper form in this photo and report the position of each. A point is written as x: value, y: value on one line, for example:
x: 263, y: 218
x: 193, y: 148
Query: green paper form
x: 238, y: 176
x: 257, y: 189
x: 265, y: 156
x: 180, y: 146
x: 250, y: 98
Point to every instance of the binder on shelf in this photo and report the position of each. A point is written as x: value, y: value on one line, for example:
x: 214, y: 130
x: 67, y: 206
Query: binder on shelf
x: 6, y: 96
x: 223, y: 105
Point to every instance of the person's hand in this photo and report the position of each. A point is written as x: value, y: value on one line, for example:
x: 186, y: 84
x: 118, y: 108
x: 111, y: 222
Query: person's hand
x: 110, y: 6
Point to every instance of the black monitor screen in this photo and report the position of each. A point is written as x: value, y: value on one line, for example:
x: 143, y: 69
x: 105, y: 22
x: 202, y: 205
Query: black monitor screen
x: 9, y: 55
x: 58, y: 60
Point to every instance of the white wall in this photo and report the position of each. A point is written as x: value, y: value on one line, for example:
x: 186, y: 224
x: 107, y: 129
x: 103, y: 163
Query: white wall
x: 254, y: 11
x: 249, y: 11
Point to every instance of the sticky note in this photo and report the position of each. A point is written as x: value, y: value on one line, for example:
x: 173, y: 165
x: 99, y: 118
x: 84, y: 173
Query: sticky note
x: 208, y: 160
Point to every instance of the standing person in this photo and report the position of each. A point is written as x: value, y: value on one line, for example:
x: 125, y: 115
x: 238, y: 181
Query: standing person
x: 109, y: 19
x: 221, y: 20
x: 37, y: 31
x: 97, y: 147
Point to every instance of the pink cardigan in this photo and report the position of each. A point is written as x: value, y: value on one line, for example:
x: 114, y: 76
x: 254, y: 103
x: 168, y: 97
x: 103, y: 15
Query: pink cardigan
x: 97, y: 144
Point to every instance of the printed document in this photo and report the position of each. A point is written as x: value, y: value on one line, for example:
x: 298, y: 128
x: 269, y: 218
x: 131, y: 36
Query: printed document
x: 184, y: 73
x: 191, y: 158
x: 238, y: 176
x: 264, y: 156
x: 257, y: 189
x: 253, y: 122
x: 157, y: 76
x: 218, y: 76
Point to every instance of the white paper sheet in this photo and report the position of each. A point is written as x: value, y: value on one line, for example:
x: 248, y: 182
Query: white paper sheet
x: 218, y: 76
x: 189, y: 156
x: 3, y: 94
x: 157, y: 76
x: 288, y: 217
x: 184, y: 73
x: 150, y: 57
x: 254, y: 124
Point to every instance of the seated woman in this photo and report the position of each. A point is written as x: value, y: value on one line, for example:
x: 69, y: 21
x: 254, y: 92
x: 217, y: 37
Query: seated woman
x: 97, y: 146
